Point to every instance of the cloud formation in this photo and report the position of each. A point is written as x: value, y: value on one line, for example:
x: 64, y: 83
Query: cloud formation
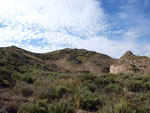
x: 43, y: 26
x: 75, y: 16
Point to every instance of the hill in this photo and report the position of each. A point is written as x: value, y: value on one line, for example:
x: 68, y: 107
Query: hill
x: 16, y: 63
x: 78, y: 61
x: 66, y: 60
x: 71, y: 61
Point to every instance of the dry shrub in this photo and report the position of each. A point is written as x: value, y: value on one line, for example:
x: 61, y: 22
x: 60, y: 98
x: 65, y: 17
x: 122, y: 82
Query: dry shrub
x: 24, y: 89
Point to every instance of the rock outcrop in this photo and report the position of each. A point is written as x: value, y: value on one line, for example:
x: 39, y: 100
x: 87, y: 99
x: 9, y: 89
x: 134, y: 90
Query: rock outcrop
x: 130, y: 63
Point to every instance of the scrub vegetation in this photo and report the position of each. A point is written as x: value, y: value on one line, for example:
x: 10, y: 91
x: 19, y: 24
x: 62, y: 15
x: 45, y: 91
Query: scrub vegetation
x: 28, y: 84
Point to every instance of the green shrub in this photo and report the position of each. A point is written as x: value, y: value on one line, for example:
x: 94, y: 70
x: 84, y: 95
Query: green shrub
x: 112, y: 88
x: 136, y: 86
x: 28, y: 79
x: 5, y: 76
x: 8, y: 77
x: 40, y: 106
x: 104, y: 80
x: 50, y: 90
x: 139, y: 83
x: 61, y: 107
x: 118, y: 107
x: 86, y: 100
x: 87, y: 77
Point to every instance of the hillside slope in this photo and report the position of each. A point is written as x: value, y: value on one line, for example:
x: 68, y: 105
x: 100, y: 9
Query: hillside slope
x: 78, y: 61
x: 71, y: 61
x: 66, y: 61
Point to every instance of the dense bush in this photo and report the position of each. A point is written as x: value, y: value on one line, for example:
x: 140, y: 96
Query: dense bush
x: 139, y: 83
x: 85, y: 99
x: 49, y: 89
x: 8, y: 77
x: 112, y: 88
x: 28, y: 79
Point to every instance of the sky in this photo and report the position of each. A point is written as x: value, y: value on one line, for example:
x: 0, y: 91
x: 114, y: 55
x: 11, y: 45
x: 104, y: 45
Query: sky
x: 110, y: 27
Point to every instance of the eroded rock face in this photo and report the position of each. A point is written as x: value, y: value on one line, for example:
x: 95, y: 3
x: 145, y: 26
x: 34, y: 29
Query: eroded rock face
x: 117, y: 69
x: 130, y: 63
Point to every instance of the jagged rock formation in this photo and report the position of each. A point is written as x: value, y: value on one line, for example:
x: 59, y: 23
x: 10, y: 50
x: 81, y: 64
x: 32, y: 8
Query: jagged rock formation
x: 130, y: 63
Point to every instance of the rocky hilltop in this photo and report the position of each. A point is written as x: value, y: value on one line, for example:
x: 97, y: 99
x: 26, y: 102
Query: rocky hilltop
x: 130, y: 63
x: 71, y: 61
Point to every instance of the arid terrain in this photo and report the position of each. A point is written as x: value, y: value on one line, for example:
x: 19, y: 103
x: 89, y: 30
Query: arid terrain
x: 73, y: 81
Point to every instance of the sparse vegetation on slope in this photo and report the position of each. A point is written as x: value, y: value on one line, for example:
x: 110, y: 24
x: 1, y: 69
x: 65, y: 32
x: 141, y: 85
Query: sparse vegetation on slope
x: 66, y: 61
x: 78, y: 61
x: 31, y: 83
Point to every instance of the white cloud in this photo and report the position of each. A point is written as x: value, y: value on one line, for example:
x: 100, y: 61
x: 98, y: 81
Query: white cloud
x: 78, y: 16
x: 56, y: 24
x: 99, y: 44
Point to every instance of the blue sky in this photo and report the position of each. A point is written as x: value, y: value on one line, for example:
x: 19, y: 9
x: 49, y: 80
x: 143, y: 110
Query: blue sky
x: 107, y: 26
